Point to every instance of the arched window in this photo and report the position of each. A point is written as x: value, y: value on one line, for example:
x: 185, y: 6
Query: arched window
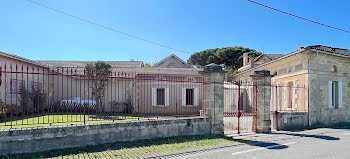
x: 335, y: 69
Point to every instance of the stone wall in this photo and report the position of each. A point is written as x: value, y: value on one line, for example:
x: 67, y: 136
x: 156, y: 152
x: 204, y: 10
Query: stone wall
x: 46, y: 138
x: 321, y: 72
x: 291, y: 121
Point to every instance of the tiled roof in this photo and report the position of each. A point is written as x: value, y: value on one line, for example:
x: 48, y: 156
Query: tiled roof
x: 172, y: 56
x: 121, y: 67
x: 82, y: 64
x: 339, y: 51
x: 275, y: 56
x: 143, y: 70
x: 19, y: 58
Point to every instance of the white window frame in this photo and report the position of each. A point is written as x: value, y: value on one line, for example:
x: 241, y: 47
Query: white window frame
x: 154, y: 97
x: 195, y: 97
x: 331, y: 96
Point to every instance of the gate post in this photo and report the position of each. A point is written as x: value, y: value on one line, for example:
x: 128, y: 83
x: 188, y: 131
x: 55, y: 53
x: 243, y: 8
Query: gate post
x: 213, y: 76
x: 262, y: 79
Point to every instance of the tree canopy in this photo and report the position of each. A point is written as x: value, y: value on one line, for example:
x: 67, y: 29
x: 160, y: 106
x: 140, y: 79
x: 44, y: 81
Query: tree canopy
x: 98, y: 73
x: 229, y: 56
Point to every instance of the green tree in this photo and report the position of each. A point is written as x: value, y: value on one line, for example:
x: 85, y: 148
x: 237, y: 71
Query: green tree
x: 148, y: 64
x: 24, y: 98
x: 204, y: 57
x: 38, y: 96
x: 230, y: 56
x: 98, y: 73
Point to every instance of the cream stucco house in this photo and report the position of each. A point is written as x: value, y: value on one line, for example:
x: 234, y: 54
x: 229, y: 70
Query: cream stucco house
x: 310, y: 87
x: 170, y: 87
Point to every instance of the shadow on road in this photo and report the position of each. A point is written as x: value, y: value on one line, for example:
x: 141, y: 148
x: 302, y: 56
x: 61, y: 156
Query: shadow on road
x: 267, y: 145
x: 323, y: 137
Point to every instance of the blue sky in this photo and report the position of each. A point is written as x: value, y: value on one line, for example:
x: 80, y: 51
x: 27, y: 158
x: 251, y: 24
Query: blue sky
x: 34, y: 32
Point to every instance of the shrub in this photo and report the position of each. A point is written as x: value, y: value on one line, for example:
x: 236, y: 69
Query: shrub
x: 122, y: 107
x: 30, y: 100
x: 3, y: 109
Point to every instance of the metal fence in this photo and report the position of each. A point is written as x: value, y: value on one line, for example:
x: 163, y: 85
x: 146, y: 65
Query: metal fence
x: 240, y: 106
x: 288, y: 98
x: 34, y: 95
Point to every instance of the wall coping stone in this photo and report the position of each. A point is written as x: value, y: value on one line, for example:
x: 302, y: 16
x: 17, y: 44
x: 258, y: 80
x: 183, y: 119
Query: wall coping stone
x: 62, y: 128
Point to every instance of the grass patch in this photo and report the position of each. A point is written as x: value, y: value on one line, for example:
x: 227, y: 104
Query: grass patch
x: 61, y: 119
x: 136, y: 149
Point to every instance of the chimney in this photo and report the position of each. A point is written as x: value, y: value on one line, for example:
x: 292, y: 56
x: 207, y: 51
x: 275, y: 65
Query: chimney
x: 251, y: 61
x: 245, y: 59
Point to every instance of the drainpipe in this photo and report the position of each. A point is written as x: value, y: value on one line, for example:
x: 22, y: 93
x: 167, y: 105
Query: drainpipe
x: 309, y: 58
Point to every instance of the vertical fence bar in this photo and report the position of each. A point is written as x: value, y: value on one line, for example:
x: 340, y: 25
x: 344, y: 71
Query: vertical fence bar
x: 276, y: 113
x: 3, y: 111
x: 38, y: 100
x: 115, y: 104
x: 76, y: 104
x: 175, y: 94
x: 49, y: 95
x: 57, y: 94
x: 256, y: 104
x: 63, y: 103
x: 71, y: 93
x: 67, y: 95
x: 24, y: 112
x: 17, y: 91
x: 6, y: 91
x: 11, y: 95
x: 27, y: 73
x: 84, y: 95
x: 79, y: 76
x: 111, y: 99
x: 138, y: 96
x: 239, y: 104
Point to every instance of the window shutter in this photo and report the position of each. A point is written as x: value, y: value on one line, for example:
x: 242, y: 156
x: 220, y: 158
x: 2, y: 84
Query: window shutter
x: 295, y: 94
x: 196, y: 97
x: 340, y: 94
x: 183, y: 101
x: 285, y: 95
x: 330, y: 94
x: 167, y: 102
x: 154, y: 96
x: 278, y: 95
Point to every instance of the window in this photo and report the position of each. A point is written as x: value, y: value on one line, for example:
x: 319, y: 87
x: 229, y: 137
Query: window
x: 15, y: 86
x: 335, y: 69
x: 298, y: 67
x: 189, y: 96
x: 160, y: 96
x: 335, y: 94
x: 291, y: 69
x: 35, y: 86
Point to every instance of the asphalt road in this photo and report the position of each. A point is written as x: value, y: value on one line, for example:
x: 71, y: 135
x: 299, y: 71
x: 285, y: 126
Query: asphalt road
x: 332, y: 143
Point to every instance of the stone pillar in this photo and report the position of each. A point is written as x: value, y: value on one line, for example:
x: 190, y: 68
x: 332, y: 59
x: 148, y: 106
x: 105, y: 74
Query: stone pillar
x: 214, y: 98
x: 263, y: 81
